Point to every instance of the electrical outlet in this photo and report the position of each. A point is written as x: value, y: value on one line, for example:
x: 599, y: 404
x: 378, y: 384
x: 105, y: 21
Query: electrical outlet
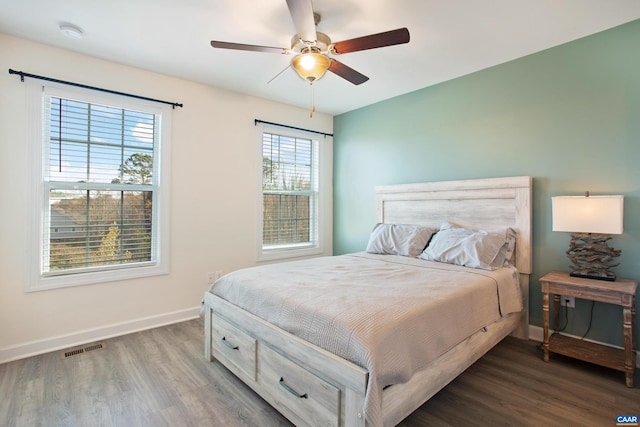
x: 569, y: 302
x: 211, y: 278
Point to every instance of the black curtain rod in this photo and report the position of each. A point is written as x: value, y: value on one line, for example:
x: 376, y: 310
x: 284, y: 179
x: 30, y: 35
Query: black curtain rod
x: 256, y: 121
x: 49, y: 79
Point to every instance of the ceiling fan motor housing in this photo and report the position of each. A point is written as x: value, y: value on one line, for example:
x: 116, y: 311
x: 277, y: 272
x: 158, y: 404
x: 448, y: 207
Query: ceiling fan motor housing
x: 322, y: 43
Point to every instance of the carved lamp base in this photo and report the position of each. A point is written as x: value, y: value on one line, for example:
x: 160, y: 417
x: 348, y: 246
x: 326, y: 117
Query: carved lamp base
x: 590, y: 256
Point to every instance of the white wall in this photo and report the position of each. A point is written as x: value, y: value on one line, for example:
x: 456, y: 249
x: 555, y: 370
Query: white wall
x: 214, y: 192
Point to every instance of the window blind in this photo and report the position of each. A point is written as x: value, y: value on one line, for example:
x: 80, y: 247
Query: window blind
x: 290, y: 191
x: 99, y: 186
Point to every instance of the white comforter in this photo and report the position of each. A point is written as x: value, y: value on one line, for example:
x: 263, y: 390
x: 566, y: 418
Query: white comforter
x: 391, y: 315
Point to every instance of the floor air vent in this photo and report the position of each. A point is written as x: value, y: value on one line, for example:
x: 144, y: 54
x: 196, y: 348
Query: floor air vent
x: 77, y: 351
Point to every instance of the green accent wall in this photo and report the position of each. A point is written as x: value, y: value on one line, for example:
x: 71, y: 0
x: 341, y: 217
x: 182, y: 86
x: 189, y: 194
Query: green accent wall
x: 568, y: 116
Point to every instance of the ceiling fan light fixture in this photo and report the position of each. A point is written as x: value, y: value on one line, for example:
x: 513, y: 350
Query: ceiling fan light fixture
x: 311, y: 65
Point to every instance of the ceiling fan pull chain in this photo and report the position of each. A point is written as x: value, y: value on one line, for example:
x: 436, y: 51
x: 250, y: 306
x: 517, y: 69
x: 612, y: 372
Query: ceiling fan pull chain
x: 313, y: 107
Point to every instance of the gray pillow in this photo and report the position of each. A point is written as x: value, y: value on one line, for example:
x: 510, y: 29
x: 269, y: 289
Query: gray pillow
x: 485, y: 249
x: 399, y: 239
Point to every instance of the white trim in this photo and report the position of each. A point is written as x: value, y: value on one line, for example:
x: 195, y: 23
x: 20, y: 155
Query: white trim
x: 159, y: 264
x: 129, y: 272
x: 33, y: 348
x: 536, y: 333
x: 324, y: 198
x: 35, y: 201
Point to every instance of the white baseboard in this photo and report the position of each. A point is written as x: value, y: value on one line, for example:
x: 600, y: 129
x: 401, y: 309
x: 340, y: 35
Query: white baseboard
x: 47, y: 345
x: 536, y: 333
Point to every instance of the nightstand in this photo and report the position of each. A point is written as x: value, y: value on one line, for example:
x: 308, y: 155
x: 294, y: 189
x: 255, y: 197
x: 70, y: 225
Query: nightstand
x: 622, y: 292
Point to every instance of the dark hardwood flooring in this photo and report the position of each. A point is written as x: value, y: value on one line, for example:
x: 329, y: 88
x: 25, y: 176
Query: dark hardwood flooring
x: 159, y: 377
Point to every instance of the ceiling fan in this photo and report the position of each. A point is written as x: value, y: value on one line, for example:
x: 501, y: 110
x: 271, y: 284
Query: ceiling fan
x: 312, y: 48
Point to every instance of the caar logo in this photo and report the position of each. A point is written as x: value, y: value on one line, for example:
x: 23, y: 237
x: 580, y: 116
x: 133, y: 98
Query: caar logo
x: 627, y: 420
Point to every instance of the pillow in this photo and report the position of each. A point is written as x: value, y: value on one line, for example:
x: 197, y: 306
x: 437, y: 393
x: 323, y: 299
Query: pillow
x: 399, y: 239
x: 483, y: 249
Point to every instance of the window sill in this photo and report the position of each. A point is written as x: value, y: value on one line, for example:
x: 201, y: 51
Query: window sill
x: 41, y: 283
x: 288, y: 253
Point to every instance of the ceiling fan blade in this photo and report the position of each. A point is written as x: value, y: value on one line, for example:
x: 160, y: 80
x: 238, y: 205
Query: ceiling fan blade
x: 372, y: 41
x: 249, y: 47
x: 347, y: 73
x: 302, y: 15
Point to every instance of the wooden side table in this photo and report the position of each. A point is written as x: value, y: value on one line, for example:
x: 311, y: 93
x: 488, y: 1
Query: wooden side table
x: 622, y: 292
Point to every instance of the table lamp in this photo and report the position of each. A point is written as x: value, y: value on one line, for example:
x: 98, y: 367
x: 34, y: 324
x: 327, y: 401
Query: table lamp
x: 590, y: 220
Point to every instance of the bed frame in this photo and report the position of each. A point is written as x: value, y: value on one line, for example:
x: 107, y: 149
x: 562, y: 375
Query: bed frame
x: 263, y: 349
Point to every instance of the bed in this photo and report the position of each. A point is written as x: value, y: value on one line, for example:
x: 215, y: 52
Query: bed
x: 311, y: 376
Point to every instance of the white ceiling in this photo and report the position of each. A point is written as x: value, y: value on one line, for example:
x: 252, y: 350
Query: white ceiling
x: 449, y: 38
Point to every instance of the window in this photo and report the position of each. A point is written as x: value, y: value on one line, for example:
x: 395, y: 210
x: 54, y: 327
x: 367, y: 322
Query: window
x: 290, y: 195
x: 103, y: 189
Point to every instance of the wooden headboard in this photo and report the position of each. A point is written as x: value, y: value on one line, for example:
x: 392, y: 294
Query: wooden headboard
x: 478, y: 203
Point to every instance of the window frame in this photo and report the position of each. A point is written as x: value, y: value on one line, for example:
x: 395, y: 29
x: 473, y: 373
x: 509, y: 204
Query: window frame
x: 38, y: 204
x: 293, y: 250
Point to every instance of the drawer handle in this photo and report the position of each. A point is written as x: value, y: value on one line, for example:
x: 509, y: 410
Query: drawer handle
x: 292, y: 391
x: 228, y: 344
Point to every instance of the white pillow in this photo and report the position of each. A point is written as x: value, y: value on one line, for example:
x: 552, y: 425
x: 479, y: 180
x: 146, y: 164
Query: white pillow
x: 399, y: 239
x: 485, y: 249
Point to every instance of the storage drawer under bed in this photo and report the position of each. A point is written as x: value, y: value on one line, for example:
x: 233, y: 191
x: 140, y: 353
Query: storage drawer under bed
x: 236, y: 347
x: 300, y: 395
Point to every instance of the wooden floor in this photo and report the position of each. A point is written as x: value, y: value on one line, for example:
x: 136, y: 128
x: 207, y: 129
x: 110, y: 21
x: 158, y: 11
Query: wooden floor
x: 160, y: 378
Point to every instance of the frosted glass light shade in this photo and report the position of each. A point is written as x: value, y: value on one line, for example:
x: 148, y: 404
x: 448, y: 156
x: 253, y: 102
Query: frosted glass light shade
x: 311, y: 65
x: 588, y: 214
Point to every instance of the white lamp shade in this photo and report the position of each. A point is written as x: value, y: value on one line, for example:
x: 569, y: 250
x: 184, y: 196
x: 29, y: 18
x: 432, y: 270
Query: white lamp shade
x: 592, y: 214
